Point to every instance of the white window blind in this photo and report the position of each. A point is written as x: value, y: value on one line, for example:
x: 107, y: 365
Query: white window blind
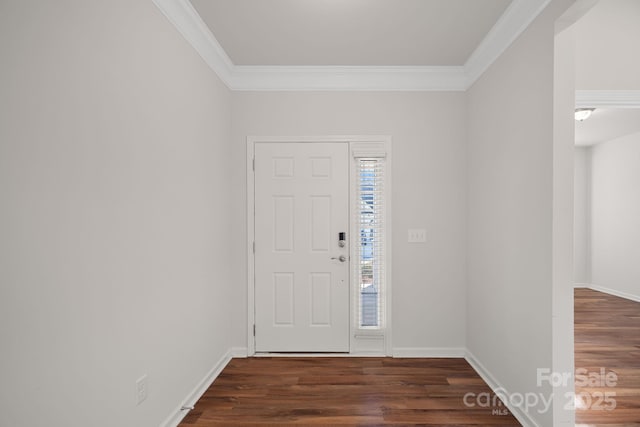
x: 370, y: 209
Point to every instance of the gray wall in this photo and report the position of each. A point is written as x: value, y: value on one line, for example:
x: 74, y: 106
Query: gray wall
x: 511, y: 191
x: 615, y: 232
x: 582, y: 216
x: 606, y: 45
x: 429, y: 191
x: 122, y: 178
x: 606, y: 237
x: 114, y: 186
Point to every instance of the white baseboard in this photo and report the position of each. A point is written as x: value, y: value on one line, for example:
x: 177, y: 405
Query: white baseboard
x: 522, y: 416
x: 285, y: 355
x: 428, y: 352
x: 615, y: 293
x: 178, y: 414
x: 581, y: 285
x: 239, y: 352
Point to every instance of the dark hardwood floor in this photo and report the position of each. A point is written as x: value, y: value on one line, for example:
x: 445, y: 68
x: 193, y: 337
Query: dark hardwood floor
x: 383, y: 391
x: 607, y: 336
x: 347, y: 391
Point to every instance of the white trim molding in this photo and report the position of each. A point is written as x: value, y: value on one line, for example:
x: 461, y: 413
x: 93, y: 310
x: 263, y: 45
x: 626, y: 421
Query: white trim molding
x: 188, y: 22
x: 336, y: 78
x: 506, y: 30
x: 315, y: 355
x: 607, y: 98
x: 516, y: 18
x: 239, y: 352
x: 178, y: 414
x: 429, y: 352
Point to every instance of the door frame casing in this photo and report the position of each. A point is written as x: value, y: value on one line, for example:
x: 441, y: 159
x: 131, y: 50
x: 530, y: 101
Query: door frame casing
x: 349, y: 139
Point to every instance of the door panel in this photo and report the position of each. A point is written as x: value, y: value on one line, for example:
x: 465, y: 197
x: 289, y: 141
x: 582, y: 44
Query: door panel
x: 301, y: 205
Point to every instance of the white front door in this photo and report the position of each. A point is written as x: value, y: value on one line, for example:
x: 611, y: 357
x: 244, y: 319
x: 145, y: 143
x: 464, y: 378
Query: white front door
x: 301, y: 281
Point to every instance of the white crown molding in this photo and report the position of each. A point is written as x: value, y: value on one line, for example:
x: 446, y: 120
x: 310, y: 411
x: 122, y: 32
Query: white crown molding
x: 272, y: 78
x: 607, y: 98
x: 511, y: 24
x: 188, y: 22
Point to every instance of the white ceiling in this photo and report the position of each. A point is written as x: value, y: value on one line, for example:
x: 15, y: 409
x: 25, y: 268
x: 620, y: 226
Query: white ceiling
x: 379, y: 45
x: 606, y: 124
x: 350, y: 32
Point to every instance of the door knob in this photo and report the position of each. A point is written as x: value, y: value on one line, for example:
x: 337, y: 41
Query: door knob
x: 341, y: 258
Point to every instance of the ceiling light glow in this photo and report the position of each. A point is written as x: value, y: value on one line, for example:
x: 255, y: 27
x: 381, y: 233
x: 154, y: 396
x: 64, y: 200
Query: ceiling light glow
x: 583, y: 113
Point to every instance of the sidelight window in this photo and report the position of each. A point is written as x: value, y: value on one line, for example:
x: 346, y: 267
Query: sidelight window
x: 370, y: 251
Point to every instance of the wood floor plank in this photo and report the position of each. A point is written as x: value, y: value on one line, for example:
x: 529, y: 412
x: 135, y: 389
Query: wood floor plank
x: 607, y: 336
x: 345, y: 391
x: 330, y: 391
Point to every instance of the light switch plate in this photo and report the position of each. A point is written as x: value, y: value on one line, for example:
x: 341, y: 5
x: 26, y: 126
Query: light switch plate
x: 417, y: 235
